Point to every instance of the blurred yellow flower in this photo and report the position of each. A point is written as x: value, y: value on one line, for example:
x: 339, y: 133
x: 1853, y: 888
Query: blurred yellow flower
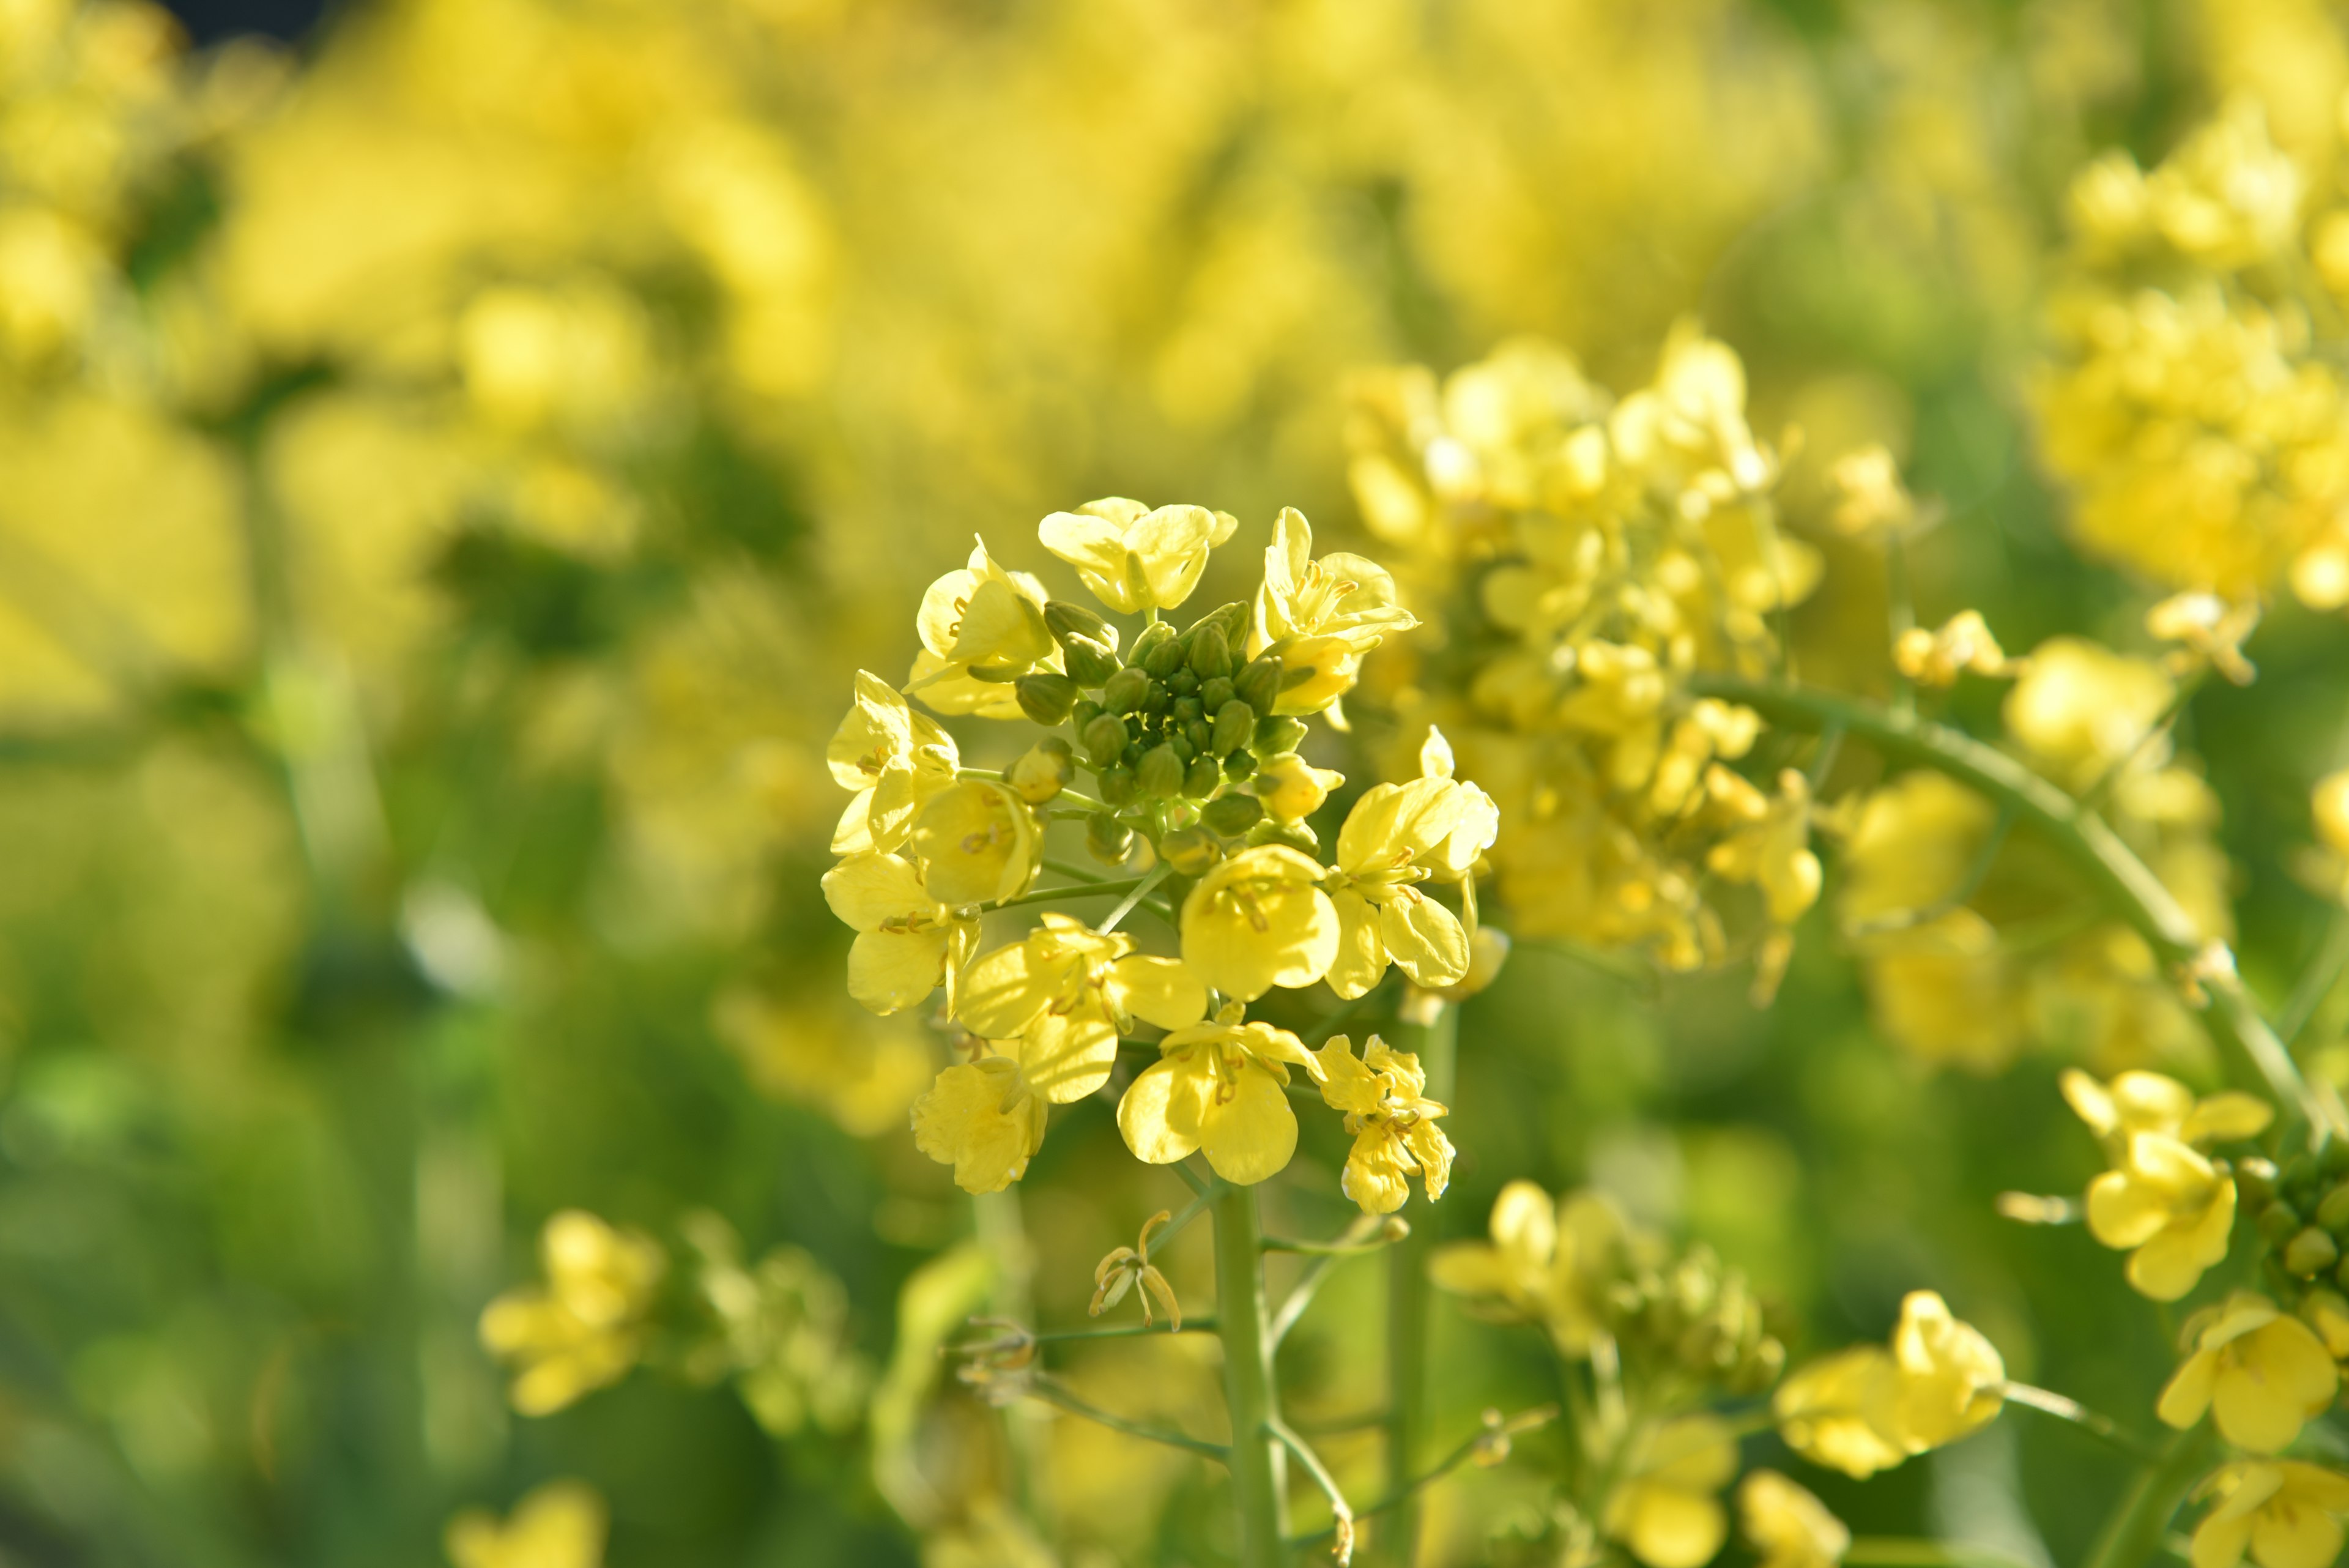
x: 1768, y: 841
x: 1065, y: 992
x: 1868, y: 1408
x: 1786, y: 1526
x: 1259, y: 919
x: 2080, y: 710
x: 1548, y: 1261
x: 2141, y: 1102
x: 2168, y: 1209
x: 1937, y: 657
x: 977, y: 843
x: 560, y: 1525
x: 908, y: 944
x: 984, y: 1118
x: 894, y: 758
x: 2263, y: 1374
x: 1382, y: 1094
x: 1133, y: 558
x: 585, y: 1328
x: 1665, y: 1508
x: 1220, y: 1086
x: 2329, y: 807
x: 2282, y: 1513
x: 1870, y: 501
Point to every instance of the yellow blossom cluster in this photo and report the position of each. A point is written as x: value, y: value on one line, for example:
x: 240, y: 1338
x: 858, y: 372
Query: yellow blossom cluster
x: 1193, y: 741
x: 586, y: 1327
x: 1598, y: 555
x: 1870, y: 1407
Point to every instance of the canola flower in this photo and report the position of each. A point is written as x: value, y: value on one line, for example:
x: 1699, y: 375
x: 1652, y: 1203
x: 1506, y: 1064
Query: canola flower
x: 586, y: 1327
x: 2279, y: 1514
x: 2164, y: 1201
x: 1786, y: 1526
x: 560, y: 1525
x: 1873, y: 1406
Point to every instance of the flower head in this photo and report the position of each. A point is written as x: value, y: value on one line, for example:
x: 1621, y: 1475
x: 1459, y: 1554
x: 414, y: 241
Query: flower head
x: 2168, y: 1207
x: 2263, y: 1374
x: 894, y: 758
x: 1950, y: 1376
x: 2284, y: 1513
x: 585, y: 1328
x: 1786, y: 1526
x: 1065, y: 992
x: 1937, y: 657
x: 981, y: 627
x: 1665, y: 1508
x: 984, y: 1118
x: 1222, y: 1087
x: 977, y: 843
x: 1320, y: 616
x: 2141, y: 1102
x: 1259, y: 919
x: 1134, y: 558
x: 1393, y: 1123
x: 907, y: 942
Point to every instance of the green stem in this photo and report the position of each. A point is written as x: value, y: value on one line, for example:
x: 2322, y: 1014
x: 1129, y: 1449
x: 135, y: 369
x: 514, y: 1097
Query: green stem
x: 1379, y: 1242
x: 2135, y: 1530
x: 1124, y: 1331
x: 1437, y: 1044
x: 2255, y: 1056
x: 1258, y: 1480
x: 1084, y: 891
x: 1052, y: 1393
x: 2317, y: 980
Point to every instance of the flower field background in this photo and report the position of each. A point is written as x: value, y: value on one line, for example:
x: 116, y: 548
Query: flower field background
x: 1705, y: 793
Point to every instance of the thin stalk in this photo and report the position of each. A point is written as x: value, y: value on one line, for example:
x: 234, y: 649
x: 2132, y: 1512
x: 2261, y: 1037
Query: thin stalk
x: 1378, y: 1243
x: 2136, y: 1529
x: 2094, y: 1422
x: 995, y: 775
x: 1258, y: 1473
x: 1052, y: 1393
x: 1342, y: 1512
x: 2255, y: 1057
x: 1301, y: 1296
x: 1124, y: 1331
x: 1082, y: 890
x: 1437, y: 1044
x: 1125, y: 906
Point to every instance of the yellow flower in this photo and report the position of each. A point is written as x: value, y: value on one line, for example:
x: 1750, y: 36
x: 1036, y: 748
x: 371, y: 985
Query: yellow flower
x: 1320, y: 616
x: 1870, y: 502
x: 2262, y: 1374
x: 2079, y: 710
x: 894, y: 758
x: 1937, y: 657
x: 1132, y: 558
x: 2210, y: 628
x: 1066, y: 993
x: 2168, y: 1209
x: 1126, y: 1268
x: 908, y: 944
x: 1393, y: 1125
x: 1389, y: 845
x: 1665, y: 1509
x: 1292, y: 789
x: 1547, y: 1263
x: 2284, y: 1513
x: 1456, y: 858
x: 560, y: 1525
x: 1868, y: 1408
x: 1259, y: 919
x: 984, y: 1119
x: 1786, y: 1526
x: 2151, y: 1103
x: 977, y: 843
x: 585, y: 1328
x: 1769, y: 845
x: 1221, y: 1087
x: 981, y: 629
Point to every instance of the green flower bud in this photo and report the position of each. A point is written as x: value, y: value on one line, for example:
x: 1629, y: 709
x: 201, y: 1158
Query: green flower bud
x: 1125, y: 692
x: 1295, y: 835
x: 2255, y: 1183
x: 1180, y: 744
x: 1159, y: 776
x: 1083, y: 713
x: 1277, y: 732
x: 1153, y: 639
x: 1240, y: 766
x: 1234, y: 815
x: 1045, y: 696
x: 1182, y: 683
x: 1234, y: 722
x: 1186, y: 709
x: 1162, y: 660
x: 1211, y: 654
x: 1065, y: 619
x: 1118, y: 785
x: 1158, y: 701
x: 1213, y: 694
x: 1259, y: 683
x: 1200, y: 779
x: 1107, y: 838
x: 2310, y: 1253
x: 1231, y: 621
x: 1190, y: 850
x: 1104, y: 738
x: 1202, y: 736
x: 2278, y: 1221
x: 1090, y: 664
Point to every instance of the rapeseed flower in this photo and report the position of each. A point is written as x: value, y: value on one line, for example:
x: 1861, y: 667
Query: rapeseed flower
x: 1384, y: 852
x: 560, y: 1525
x: 907, y: 942
x: 1133, y: 558
x: 1786, y: 1526
x: 1548, y: 1261
x: 985, y: 1118
x: 586, y: 1327
x: 1666, y: 1508
x: 1292, y: 789
x: 2283, y: 1514
x: 981, y: 627
x: 977, y: 843
x: 1383, y: 1095
x: 1259, y: 919
x: 2262, y: 1375
x: 1868, y: 1408
x: 1319, y: 617
x: 1220, y: 1086
x: 894, y: 759
x: 1066, y: 993
x: 2168, y: 1207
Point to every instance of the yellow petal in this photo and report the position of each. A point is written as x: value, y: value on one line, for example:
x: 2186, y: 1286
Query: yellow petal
x: 1001, y: 994
x: 890, y: 972
x: 865, y: 890
x: 1164, y: 1110
x: 1425, y: 938
x: 1159, y: 991
x: 962, y: 1122
x: 1252, y: 1135
x: 1361, y: 957
x: 1259, y: 919
x: 2297, y: 1538
x: 2227, y: 1117
x: 1375, y: 1177
x: 1067, y: 1056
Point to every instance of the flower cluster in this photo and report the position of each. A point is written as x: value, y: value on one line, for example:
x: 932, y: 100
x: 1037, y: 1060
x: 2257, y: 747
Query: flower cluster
x: 1193, y: 741
x: 586, y: 1327
x: 1595, y: 556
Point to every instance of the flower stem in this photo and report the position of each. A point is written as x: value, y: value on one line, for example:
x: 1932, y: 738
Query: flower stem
x: 2136, y: 1529
x: 1437, y: 1044
x: 1257, y: 1463
x: 2255, y: 1057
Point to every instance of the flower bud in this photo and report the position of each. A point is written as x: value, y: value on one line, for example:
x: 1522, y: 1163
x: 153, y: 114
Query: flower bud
x: 1278, y: 733
x: 2311, y: 1253
x: 1042, y: 770
x: 1152, y: 637
x: 1235, y: 724
x: 1090, y: 663
x: 1118, y: 785
x: 1159, y: 776
x: 1259, y: 683
x: 1211, y: 655
x: 1183, y: 683
x: 1185, y: 708
x: 1213, y: 694
x: 1107, y: 839
x: 1104, y: 738
x: 1202, y: 777
x: 2255, y: 1182
x: 1190, y: 850
x: 1125, y: 692
x: 1045, y: 696
x: 1295, y: 835
x: 1163, y: 659
x: 1160, y: 700
x: 1083, y: 713
x: 1234, y: 815
x: 1240, y: 766
x: 1064, y: 620
x: 1231, y: 620
x: 1292, y: 788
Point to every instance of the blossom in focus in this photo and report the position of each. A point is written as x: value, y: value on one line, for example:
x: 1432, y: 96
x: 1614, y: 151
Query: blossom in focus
x: 983, y: 1118
x: 1259, y: 919
x: 1666, y: 1508
x: 2262, y: 1374
x: 894, y: 758
x: 1319, y: 617
x: 560, y: 1525
x: 1221, y: 1086
x: 2283, y: 1514
x: 981, y: 629
x: 584, y: 1327
x: 977, y: 843
x: 1786, y: 1526
x: 1383, y: 1095
x: 1065, y: 992
x: 1293, y: 789
x: 907, y: 942
x: 1133, y: 558
x: 1384, y: 852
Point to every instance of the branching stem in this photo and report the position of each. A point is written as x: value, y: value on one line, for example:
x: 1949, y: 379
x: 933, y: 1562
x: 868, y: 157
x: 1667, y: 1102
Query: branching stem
x: 1055, y: 1392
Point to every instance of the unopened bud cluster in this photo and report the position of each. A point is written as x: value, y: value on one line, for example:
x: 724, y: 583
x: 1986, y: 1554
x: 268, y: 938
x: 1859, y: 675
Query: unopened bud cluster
x: 1697, y: 1316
